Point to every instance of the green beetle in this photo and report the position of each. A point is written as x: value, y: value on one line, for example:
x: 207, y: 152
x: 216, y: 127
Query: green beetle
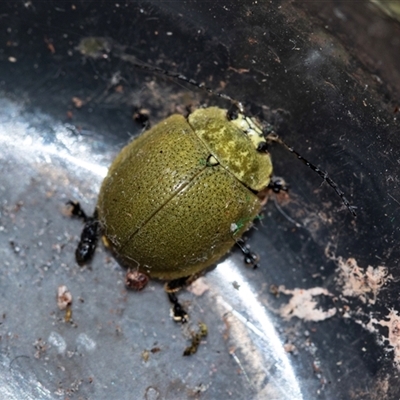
x: 177, y: 198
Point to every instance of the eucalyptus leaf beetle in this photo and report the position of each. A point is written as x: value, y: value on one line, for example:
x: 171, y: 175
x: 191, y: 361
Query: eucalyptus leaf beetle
x: 177, y: 198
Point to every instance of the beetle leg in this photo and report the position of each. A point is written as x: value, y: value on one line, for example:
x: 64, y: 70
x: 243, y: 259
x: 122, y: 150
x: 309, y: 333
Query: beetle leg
x: 278, y: 184
x: 180, y: 283
x: 89, y: 236
x: 233, y: 112
x: 177, y: 312
x: 250, y: 258
x: 171, y: 287
x: 141, y: 117
x: 76, y: 210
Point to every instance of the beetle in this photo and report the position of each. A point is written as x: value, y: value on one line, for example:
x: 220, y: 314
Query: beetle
x: 177, y: 198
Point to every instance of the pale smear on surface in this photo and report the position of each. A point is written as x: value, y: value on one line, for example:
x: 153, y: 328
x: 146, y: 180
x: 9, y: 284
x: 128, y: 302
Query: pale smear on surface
x: 303, y: 304
x: 198, y: 287
x: 352, y: 281
x: 359, y: 282
x: 392, y: 323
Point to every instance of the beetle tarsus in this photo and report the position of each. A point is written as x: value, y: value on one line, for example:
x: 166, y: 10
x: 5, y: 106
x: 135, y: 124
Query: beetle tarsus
x: 250, y: 258
x: 89, y: 236
x: 177, y: 311
x: 278, y: 184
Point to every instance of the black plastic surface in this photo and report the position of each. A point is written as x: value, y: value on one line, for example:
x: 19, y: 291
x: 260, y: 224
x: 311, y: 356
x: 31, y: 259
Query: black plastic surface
x: 325, y: 75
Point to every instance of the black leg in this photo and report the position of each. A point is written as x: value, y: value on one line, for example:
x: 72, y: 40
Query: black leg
x: 89, y: 236
x: 141, y: 117
x: 233, y: 112
x: 178, y: 313
x: 171, y: 287
x: 278, y: 184
x: 250, y: 258
x: 76, y: 210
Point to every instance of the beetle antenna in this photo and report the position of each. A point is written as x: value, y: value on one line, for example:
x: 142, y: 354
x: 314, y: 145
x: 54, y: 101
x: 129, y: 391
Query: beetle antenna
x: 271, y: 137
x: 183, y: 78
x: 324, y: 175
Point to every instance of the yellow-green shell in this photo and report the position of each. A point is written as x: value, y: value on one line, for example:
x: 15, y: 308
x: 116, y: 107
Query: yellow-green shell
x: 166, y: 210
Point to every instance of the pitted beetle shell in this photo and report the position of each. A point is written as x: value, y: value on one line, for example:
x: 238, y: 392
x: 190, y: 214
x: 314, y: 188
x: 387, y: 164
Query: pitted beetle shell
x: 166, y: 210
